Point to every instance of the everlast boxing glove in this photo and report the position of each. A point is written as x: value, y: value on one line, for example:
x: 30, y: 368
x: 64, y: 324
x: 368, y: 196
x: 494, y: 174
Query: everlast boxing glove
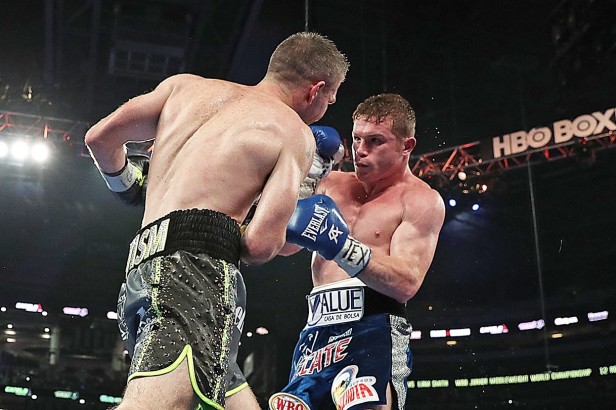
x: 318, y: 225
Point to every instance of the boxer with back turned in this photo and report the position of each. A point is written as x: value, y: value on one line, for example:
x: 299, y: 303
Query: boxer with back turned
x: 217, y: 147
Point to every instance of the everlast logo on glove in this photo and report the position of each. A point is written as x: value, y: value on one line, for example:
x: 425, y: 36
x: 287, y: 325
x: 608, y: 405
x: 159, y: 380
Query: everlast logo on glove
x: 149, y: 242
x: 314, y: 226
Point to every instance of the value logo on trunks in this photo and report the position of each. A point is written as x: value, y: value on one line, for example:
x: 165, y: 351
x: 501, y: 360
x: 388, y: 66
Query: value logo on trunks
x: 147, y: 243
x: 335, y: 306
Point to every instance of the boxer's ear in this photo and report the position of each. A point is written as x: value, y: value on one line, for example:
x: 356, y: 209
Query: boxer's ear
x: 409, y: 144
x: 314, y: 90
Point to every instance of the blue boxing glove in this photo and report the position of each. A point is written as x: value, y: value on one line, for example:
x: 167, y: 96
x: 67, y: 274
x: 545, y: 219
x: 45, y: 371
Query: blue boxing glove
x: 318, y: 225
x: 328, y: 142
x: 330, y: 151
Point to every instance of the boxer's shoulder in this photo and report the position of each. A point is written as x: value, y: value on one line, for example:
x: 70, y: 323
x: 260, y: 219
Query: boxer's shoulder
x: 338, y: 183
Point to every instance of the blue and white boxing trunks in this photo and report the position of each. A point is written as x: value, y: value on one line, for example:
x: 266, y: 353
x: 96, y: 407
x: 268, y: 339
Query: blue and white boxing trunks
x: 355, y: 343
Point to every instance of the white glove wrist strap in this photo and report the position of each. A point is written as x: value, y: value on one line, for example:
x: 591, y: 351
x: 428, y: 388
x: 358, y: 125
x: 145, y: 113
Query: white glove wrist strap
x: 122, y: 180
x: 353, y: 257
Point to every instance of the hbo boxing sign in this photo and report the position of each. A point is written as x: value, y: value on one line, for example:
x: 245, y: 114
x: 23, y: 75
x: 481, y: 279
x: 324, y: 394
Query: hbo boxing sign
x: 560, y: 132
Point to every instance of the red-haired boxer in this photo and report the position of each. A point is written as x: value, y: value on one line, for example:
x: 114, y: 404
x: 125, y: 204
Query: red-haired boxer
x: 217, y: 147
x: 374, y: 233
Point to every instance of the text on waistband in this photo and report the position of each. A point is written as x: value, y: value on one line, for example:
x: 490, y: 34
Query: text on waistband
x: 336, y: 306
x: 149, y: 242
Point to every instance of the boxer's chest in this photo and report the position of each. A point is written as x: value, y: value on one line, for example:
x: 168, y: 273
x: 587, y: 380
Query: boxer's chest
x: 372, y: 221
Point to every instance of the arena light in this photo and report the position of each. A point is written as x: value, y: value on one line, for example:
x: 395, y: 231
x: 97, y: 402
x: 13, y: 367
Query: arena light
x: 19, y: 150
x: 75, y: 311
x: 104, y: 398
x: 10, y: 332
x: 475, y: 207
x: 535, y: 324
x: 17, y: 390
x: 3, y: 309
x: 40, y: 152
x: 46, y: 336
x: 261, y: 331
x: 452, y: 203
x: 557, y: 335
x: 563, y: 321
x: 596, y: 316
x: 112, y: 315
x: 438, y: 333
x: 64, y: 394
x: 416, y: 334
x: 451, y: 343
x: 29, y: 307
x: 11, y: 340
x: 494, y: 330
x: 460, y: 332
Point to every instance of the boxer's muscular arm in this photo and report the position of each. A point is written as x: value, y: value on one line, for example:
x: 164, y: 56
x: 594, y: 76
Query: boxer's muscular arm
x: 265, y: 234
x: 401, y: 273
x: 135, y: 120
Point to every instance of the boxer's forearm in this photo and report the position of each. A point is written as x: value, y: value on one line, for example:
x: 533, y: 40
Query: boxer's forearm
x: 109, y: 155
x: 393, y: 277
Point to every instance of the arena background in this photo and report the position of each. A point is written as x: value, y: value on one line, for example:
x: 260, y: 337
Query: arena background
x: 524, y: 285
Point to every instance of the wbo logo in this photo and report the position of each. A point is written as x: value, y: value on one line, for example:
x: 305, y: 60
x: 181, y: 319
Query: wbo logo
x: 285, y: 401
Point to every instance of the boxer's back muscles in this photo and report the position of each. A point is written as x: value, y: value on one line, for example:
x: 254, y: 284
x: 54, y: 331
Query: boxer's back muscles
x: 234, y: 139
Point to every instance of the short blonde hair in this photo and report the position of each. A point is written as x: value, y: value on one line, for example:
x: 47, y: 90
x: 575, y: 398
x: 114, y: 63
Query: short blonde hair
x: 310, y: 57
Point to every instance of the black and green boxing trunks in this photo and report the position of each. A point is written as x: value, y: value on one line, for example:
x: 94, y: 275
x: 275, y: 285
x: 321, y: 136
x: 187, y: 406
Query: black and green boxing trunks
x: 179, y: 300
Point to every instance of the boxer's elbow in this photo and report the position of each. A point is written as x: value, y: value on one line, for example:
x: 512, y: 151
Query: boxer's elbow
x: 409, y: 287
x: 406, y: 293
x: 93, y: 137
x: 256, y: 251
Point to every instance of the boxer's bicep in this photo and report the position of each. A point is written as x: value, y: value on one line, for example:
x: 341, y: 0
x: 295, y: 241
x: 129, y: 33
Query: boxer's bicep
x: 135, y: 120
x: 416, y: 237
